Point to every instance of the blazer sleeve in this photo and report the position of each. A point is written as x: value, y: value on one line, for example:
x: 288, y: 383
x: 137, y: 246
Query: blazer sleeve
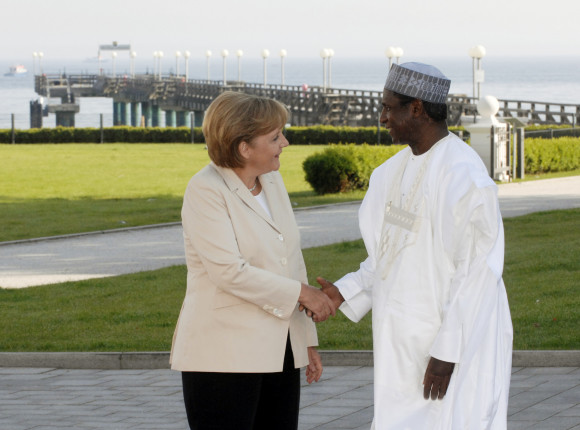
x: 209, y: 230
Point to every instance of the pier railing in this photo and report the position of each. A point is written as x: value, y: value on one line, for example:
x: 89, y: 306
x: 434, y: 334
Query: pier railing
x: 309, y: 106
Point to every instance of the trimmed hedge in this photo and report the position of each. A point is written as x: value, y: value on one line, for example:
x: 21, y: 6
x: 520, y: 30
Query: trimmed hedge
x: 316, y: 135
x: 340, y: 168
x: 555, y: 155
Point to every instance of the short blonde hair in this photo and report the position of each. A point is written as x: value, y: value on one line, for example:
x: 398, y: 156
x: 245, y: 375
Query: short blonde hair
x: 235, y: 117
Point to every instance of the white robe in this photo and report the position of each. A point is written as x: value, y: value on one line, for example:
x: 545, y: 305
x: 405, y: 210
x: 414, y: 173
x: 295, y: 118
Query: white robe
x: 433, y: 279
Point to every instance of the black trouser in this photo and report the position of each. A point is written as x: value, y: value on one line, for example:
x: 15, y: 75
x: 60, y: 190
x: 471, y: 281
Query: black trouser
x: 243, y: 401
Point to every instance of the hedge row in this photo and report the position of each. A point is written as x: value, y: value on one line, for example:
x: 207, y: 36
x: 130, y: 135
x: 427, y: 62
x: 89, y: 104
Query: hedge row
x: 316, y: 135
x: 340, y: 168
x: 109, y: 135
x: 556, y: 155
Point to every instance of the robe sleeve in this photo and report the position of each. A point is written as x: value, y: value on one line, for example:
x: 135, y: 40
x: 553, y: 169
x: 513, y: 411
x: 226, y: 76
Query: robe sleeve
x: 356, y: 288
x: 471, y: 233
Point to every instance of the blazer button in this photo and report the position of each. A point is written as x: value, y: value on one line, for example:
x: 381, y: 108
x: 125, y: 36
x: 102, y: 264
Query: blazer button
x: 283, y: 261
x: 278, y: 312
x: 281, y: 238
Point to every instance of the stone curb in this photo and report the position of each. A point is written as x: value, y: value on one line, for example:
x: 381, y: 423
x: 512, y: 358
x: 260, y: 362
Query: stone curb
x: 160, y: 360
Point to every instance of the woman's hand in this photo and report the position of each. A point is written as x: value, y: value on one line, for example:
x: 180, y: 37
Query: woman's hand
x: 314, y: 368
x: 318, y: 303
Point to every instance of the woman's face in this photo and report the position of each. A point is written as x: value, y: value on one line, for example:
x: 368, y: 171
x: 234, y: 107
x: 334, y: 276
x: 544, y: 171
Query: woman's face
x: 264, y: 153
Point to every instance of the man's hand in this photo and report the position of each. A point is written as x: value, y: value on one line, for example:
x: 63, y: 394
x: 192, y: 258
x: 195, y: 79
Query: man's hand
x: 318, y: 305
x: 437, y: 377
x: 331, y: 291
x: 314, y: 368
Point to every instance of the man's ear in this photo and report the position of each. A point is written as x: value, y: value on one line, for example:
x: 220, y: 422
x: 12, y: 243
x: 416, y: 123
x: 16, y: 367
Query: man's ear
x: 417, y: 108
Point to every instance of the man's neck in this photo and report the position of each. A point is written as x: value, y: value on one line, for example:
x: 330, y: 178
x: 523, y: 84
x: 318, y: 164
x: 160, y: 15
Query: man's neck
x: 430, y: 138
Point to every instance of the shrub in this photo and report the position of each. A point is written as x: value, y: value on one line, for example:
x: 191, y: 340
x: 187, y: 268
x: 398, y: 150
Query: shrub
x: 342, y: 168
x: 555, y: 155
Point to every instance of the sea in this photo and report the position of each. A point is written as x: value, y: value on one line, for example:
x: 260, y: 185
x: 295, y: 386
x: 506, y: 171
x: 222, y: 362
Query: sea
x: 541, y: 79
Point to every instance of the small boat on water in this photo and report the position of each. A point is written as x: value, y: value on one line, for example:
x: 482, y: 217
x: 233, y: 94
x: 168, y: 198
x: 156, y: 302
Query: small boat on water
x: 17, y: 70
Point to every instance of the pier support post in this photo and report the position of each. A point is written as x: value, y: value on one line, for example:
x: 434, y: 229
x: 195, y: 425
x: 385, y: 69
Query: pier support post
x: 147, y: 114
x: 155, y: 116
x: 183, y: 119
x: 135, y: 114
x: 65, y: 114
x: 170, y: 116
x: 116, y: 113
x: 124, y: 113
x: 35, y: 114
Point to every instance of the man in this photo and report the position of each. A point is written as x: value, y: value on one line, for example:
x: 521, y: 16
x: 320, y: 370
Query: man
x: 432, y: 227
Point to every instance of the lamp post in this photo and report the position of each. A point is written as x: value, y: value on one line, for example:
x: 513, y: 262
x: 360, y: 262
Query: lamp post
x: 324, y: 55
x: 155, y: 57
x: 177, y: 57
x: 390, y: 53
x: 330, y: 55
x: 225, y: 54
x: 398, y: 53
x: 265, y: 55
x: 477, y: 53
x: 114, y: 56
x: 283, y: 55
x: 186, y: 55
x: 207, y: 56
x: 239, y: 54
x: 160, y: 53
x: 40, y: 55
x: 133, y: 55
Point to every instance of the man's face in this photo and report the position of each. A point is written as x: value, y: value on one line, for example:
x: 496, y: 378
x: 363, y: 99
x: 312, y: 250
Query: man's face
x: 396, y: 118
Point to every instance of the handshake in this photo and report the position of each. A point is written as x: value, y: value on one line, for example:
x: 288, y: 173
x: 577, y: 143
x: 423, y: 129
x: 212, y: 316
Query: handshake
x: 320, y: 304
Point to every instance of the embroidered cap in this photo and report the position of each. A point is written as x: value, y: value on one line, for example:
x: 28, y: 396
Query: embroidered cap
x: 420, y: 81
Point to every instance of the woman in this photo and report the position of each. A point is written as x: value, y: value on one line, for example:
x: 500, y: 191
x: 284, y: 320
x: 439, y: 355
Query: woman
x: 241, y: 340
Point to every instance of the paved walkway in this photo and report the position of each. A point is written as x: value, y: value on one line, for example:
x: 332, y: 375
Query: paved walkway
x: 57, y: 399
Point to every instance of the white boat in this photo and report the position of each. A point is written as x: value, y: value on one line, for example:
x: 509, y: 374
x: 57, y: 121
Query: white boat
x: 17, y: 70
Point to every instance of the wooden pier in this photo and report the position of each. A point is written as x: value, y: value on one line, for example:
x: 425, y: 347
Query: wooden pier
x: 140, y: 101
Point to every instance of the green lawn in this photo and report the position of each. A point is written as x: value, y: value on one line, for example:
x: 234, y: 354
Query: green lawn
x: 138, y: 312
x: 48, y: 190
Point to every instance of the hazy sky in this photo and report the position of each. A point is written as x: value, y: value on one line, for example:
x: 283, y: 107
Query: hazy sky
x: 75, y: 28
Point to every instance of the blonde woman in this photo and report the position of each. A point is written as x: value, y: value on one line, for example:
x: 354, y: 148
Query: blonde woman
x: 241, y: 339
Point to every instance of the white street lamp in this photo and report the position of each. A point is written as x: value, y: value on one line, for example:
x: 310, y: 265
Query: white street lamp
x: 283, y: 55
x: 225, y: 54
x: 324, y: 55
x: 40, y: 55
x: 398, y: 53
x: 177, y: 57
x: 186, y: 55
x: 207, y: 56
x: 330, y: 55
x: 477, y: 53
x: 390, y: 53
x: 155, y: 58
x: 133, y: 55
x: 265, y: 55
x: 239, y: 54
x: 114, y: 56
x: 160, y: 54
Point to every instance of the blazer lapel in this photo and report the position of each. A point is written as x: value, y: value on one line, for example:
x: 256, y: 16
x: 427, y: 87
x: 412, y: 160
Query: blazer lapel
x: 237, y: 187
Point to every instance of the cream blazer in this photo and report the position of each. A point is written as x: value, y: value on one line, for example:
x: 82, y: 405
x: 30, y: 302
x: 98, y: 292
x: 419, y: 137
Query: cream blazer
x: 244, y: 273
